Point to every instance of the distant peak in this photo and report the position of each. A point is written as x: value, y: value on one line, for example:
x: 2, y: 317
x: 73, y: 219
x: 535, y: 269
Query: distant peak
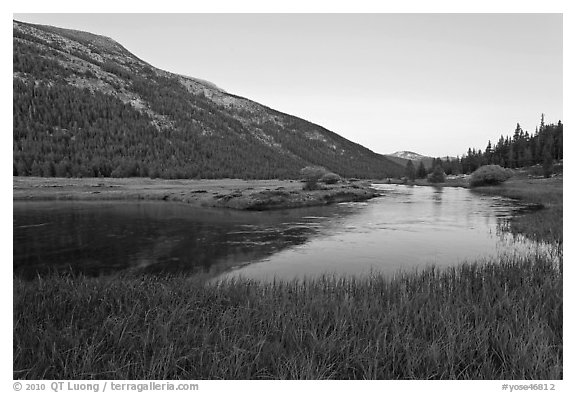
x: 409, y: 155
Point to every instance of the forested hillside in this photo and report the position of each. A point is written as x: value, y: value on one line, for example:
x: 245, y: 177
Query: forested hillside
x: 84, y: 106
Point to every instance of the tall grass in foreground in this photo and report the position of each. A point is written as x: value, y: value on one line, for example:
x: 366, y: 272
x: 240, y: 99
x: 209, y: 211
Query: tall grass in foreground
x: 498, y: 320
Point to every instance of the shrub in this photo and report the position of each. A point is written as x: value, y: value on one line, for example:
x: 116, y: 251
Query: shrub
x: 437, y: 176
x: 330, y: 178
x: 489, y: 175
x: 311, y: 175
x: 536, y: 170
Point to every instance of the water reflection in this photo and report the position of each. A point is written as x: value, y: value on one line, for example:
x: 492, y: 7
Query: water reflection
x: 102, y: 237
x: 437, y: 194
x: 409, y: 226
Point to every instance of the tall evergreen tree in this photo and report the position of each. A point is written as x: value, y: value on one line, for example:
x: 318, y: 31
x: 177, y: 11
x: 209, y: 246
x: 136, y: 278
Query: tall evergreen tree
x: 547, y: 163
x: 410, y: 172
x: 421, y: 171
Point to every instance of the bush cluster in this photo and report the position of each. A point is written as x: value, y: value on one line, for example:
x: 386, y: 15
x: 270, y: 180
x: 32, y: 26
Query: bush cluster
x: 330, y: 178
x: 437, y: 176
x: 312, y: 175
x: 489, y: 175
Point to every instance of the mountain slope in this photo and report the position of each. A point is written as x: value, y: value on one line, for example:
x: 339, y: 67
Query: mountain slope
x: 86, y: 106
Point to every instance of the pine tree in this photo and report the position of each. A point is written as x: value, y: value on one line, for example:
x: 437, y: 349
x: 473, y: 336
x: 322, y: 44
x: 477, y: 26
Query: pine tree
x: 410, y: 171
x: 36, y: 169
x: 421, y: 172
x: 489, y: 153
x: 548, y: 163
x: 447, y: 166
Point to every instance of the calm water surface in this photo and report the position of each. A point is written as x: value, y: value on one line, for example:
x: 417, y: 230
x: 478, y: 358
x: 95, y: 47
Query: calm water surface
x: 406, y: 228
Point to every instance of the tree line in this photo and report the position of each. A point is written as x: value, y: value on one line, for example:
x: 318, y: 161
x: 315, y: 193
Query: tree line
x: 523, y: 149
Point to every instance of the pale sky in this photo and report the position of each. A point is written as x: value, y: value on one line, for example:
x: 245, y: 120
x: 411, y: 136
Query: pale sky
x: 435, y: 84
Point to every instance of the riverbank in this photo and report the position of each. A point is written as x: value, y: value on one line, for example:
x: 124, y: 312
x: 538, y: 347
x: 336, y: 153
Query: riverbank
x: 546, y: 195
x: 223, y: 193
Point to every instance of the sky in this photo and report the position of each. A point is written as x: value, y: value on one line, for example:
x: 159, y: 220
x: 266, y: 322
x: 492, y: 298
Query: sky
x: 435, y: 84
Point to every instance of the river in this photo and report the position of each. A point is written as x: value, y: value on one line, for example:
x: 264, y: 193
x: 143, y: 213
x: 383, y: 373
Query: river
x: 407, y: 228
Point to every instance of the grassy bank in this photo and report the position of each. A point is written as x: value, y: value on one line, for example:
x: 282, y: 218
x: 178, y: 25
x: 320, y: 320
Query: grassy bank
x: 221, y: 193
x: 544, y: 224
x: 500, y: 320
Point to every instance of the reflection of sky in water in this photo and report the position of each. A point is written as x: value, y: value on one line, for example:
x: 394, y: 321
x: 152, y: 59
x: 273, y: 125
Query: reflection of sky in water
x: 406, y: 228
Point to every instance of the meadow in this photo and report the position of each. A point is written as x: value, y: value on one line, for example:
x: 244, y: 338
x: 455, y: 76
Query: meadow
x: 497, y: 319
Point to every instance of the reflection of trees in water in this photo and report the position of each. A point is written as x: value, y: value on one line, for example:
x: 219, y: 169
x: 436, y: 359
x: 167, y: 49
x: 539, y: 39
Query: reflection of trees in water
x: 437, y: 194
x: 100, y: 239
x: 216, y: 249
x: 437, y: 202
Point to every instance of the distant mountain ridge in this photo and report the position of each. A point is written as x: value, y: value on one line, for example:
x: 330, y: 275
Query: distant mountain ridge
x: 402, y: 157
x: 408, y: 155
x: 85, y: 106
